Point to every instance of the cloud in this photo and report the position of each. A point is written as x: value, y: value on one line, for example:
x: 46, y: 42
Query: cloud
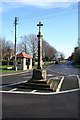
x: 49, y: 3
x: 38, y: 3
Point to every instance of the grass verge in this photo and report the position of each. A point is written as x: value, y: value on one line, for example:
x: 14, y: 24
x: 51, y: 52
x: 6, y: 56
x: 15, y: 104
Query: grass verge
x: 4, y: 70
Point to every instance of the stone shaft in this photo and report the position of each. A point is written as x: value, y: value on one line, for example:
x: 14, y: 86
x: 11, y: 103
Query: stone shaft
x: 39, y: 51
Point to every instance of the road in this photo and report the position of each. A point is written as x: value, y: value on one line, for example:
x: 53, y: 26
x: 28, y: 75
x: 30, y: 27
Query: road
x: 40, y: 106
x: 62, y: 105
x: 14, y: 78
x: 62, y: 69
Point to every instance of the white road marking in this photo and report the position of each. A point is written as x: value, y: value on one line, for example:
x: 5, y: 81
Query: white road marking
x: 33, y: 91
x: 60, y: 72
x: 56, y: 71
x: 12, y: 90
x: 40, y: 93
x: 59, y: 86
x: 13, y: 84
x: 50, y: 75
x: 78, y: 80
x: 72, y: 75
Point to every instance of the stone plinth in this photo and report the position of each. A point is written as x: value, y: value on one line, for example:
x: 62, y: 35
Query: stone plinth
x: 39, y: 74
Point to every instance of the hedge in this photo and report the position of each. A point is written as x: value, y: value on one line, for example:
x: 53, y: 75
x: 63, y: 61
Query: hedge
x: 6, y: 62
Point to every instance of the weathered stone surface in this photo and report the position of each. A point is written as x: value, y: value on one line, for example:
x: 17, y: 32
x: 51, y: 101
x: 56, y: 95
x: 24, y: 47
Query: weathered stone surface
x: 39, y: 74
x: 39, y: 46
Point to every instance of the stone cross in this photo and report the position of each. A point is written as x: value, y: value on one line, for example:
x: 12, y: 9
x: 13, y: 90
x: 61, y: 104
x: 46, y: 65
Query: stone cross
x: 39, y: 47
x: 39, y: 26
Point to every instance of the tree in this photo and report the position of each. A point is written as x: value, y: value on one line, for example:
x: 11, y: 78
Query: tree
x: 71, y: 57
x: 62, y: 56
x: 49, y: 52
x: 22, y: 45
x: 29, y: 44
x: 7, y: 50
x: 76, y: 55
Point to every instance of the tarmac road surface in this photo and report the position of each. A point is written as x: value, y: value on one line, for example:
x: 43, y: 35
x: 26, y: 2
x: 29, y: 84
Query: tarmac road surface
x: 61, y: 105
x: 64, y: 105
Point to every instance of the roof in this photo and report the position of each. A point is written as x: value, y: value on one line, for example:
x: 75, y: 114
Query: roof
x: 24, y: 55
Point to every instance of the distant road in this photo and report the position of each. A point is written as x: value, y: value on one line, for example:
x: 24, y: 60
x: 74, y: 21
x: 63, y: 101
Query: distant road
x: 64, y: 69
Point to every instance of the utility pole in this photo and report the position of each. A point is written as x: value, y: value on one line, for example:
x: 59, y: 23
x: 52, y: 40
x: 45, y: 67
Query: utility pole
x: 15, y: 24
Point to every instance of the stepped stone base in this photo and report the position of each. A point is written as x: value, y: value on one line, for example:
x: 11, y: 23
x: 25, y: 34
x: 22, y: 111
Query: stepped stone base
x: 39, y: 74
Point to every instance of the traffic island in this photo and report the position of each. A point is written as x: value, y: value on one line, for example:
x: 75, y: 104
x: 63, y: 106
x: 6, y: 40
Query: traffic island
x: 54, y: 84
x: 70, y: 83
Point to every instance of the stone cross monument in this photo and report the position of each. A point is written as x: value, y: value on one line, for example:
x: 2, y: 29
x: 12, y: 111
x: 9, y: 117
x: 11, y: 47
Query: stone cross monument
x: 39, y: 47
x: 39, y: 73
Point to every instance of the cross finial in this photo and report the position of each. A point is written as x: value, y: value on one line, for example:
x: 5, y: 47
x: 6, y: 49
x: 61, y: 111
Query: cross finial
x: 39, y: 24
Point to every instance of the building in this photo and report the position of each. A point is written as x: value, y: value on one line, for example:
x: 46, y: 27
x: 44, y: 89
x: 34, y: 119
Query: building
x: 24, y: 61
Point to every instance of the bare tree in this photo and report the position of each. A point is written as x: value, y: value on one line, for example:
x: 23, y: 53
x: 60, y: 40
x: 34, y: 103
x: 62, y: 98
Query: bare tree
x: 7, y: 49
x: 22, y: 45
x: 61, y: 56
x: 49, y: 52
x: 29, y: 44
